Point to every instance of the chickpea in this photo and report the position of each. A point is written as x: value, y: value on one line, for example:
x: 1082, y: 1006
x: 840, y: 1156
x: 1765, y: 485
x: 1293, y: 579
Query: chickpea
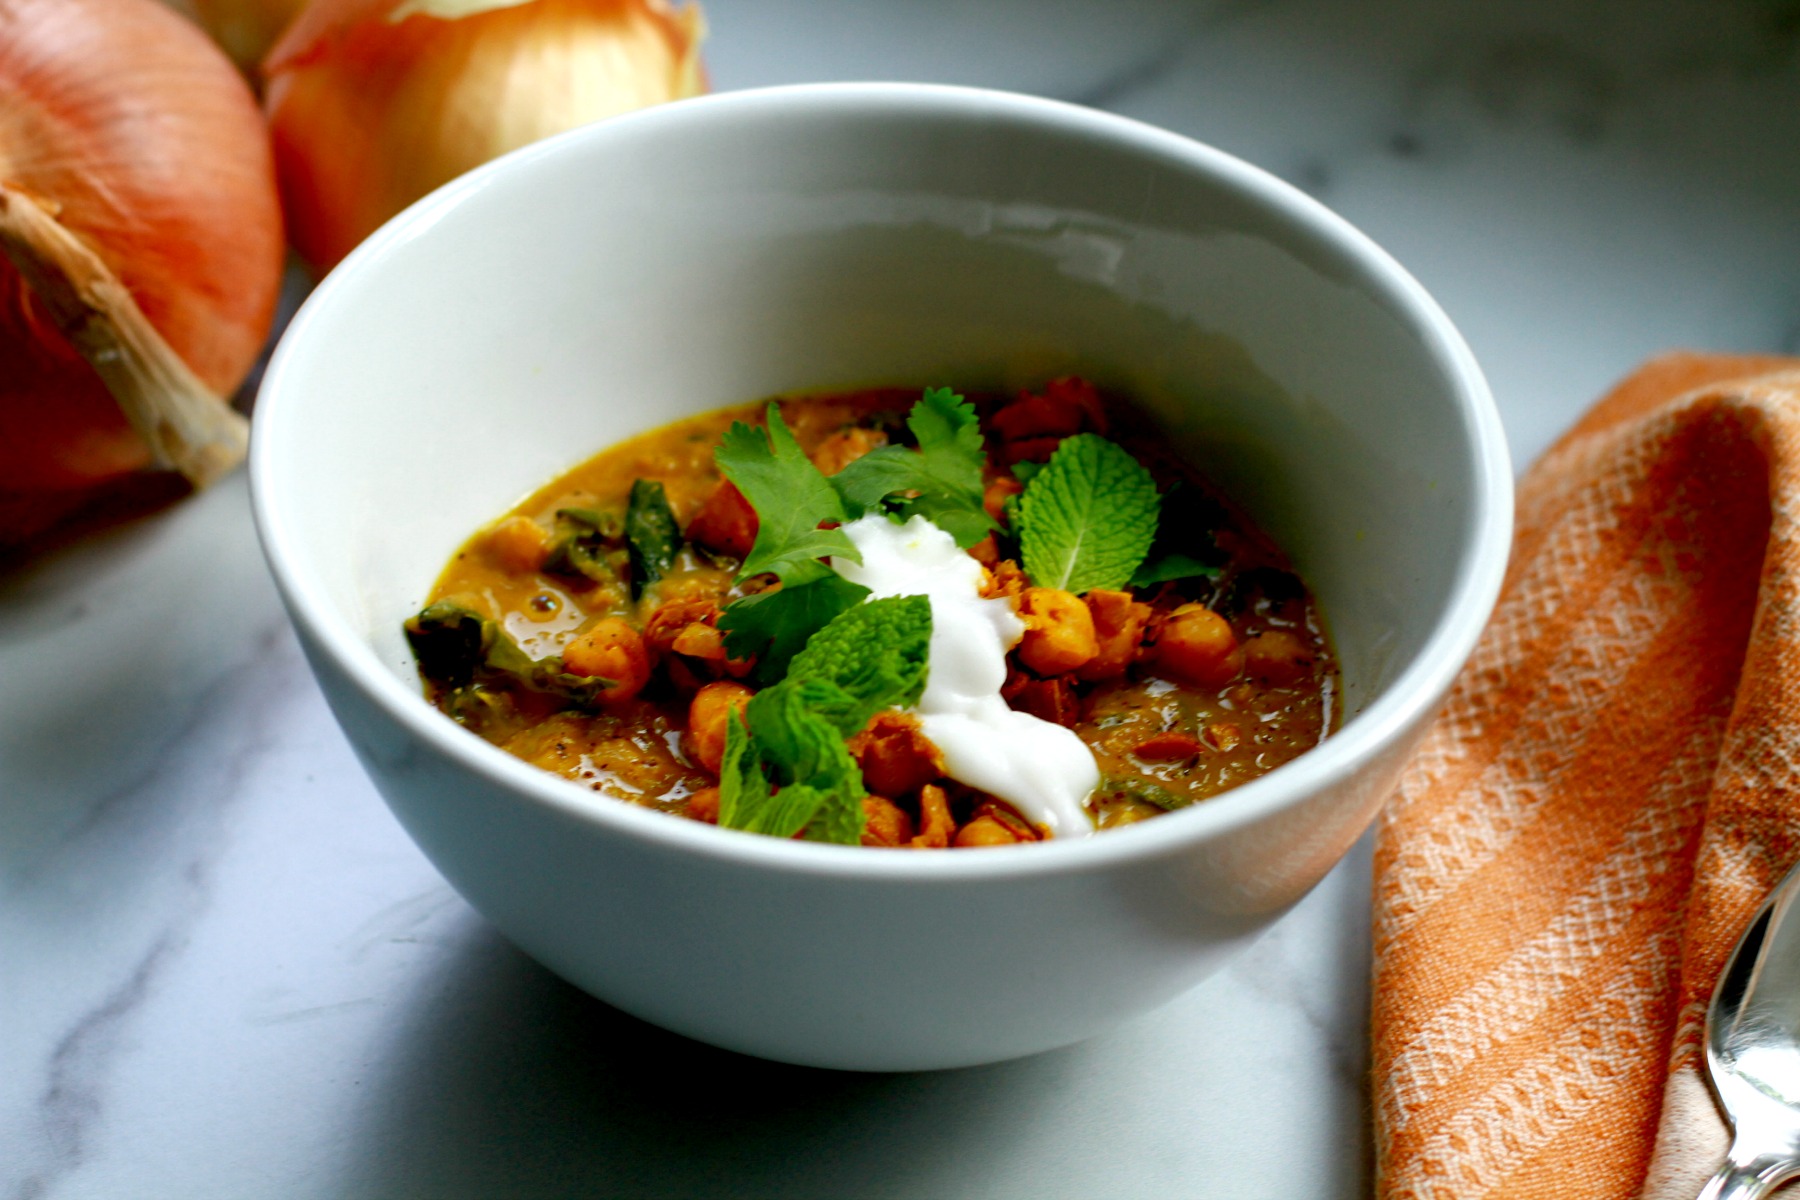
x: 995, y: 824
x: 844, y: 447
x: 700, y: 583
x: 1059, y: 631
x: 1277, y: 657
x: 725, y: 523
x: 699, y: 640
x: 703, y: 805
x: 896, y: 757
x: 1196, y: 645
x: 885, y: 823
x: 1118, y: 629
x: 985, y: 831
x: 518, y: 545
x: 1004, y: 578
x: 708, y: 717
x: 935, y: 822
x: 611, y: 650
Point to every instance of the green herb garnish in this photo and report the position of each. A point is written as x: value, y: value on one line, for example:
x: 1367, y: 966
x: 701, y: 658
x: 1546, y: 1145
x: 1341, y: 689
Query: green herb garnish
x: 1087, y: 519
x: 652, y: 534
x: 1184, y: 547
x: 940, y: 481
x: 1136, y: 787
x: 792, y: 498
x: 586, y: 544
x: 772, y: 626
x: 875, y: 655
x: 786, y: 767
x: 1171, y: 567
x: 820, y: 786
x: 459, y: 648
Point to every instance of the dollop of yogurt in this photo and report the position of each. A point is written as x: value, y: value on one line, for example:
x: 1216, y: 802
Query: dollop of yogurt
x: 1039, y: 767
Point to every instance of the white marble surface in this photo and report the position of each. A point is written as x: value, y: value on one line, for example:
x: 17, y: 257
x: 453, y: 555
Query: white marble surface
x: 225, y: 972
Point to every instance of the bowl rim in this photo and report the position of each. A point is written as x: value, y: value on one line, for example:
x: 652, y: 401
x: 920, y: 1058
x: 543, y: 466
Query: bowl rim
x: 1406, y: 700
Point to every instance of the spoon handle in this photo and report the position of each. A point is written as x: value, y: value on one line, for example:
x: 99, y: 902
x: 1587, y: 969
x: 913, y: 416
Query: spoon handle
x: 1750, y: 1177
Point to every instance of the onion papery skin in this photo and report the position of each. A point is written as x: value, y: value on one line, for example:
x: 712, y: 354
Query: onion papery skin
x: 369, y: 113
x: 135, y: 131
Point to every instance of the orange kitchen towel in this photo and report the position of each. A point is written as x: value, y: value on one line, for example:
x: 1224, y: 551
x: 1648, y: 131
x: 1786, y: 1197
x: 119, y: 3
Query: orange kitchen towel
x: 1612, y: 790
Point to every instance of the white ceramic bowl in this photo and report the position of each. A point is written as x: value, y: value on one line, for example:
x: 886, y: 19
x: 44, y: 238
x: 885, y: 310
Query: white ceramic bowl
x: 720, y: 250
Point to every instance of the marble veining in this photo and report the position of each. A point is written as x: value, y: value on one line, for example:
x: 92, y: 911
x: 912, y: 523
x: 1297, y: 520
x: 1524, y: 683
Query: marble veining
x: 225, y: 971
x: 170, y: 826
x: 73, y: 1091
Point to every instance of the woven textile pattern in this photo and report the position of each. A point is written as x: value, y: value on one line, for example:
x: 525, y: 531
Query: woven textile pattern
x: 1611, y: 791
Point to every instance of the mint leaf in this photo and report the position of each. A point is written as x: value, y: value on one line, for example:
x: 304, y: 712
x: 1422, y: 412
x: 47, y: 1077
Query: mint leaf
x: 795, y: 808
x: 748, y: 802
x: 743, y: 788
x: 790, y: 496
x: 773, y: 626
x: 1087, y: 519
x: 652, y: 534
x: 820, y: 782
x: 867, y: 658
x: 799, y: 744
x: 874, y: 656
x: 940, y: 481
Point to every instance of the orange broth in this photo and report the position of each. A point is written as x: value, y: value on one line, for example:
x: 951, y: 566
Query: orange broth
x: 1161, y: 740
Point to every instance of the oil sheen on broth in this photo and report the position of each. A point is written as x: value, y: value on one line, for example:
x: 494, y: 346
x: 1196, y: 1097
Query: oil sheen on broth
x: 581, y: 631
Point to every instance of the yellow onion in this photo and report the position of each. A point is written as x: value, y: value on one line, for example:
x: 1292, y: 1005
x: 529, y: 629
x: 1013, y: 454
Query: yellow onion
x: 244, y: 28
x: 140, y: 246
x: 373, y: 103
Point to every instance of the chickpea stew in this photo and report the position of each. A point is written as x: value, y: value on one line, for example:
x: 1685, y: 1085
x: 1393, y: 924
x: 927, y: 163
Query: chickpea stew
x: 888, y: 619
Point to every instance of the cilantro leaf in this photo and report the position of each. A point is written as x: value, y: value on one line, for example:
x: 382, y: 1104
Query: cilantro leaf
x: 1170, y: 567
x: 773, y: 626
x: 940, y: 481
x: 652, y: 534
x: 869, y: 480
x: 1184, y: 547
x: 790, y: 496
x: 1087, y: 519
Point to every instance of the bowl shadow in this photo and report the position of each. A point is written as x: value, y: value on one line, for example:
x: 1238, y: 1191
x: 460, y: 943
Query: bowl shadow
x: 511, y: 1082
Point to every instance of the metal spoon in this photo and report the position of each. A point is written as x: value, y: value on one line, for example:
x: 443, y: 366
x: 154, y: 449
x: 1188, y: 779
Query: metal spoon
x: 1753, y: 1051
